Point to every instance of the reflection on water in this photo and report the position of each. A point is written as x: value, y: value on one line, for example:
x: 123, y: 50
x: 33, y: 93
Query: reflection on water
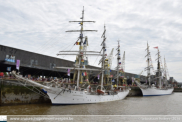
x: 157, y: 105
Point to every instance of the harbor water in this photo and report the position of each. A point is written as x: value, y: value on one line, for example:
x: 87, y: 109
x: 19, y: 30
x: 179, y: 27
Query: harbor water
x: 155, y: 105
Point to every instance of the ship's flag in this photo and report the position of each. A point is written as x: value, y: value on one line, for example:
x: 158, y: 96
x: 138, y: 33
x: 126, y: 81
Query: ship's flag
x: 81, y: 35
x: 82, y: 60
x: 119, y: 62
x: 86, y: 41
x: 77, y: 43
x: 156, y: 47
x: 8, y: 68
x: 84, y: 74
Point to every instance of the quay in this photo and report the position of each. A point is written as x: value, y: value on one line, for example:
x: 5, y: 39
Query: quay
x: 14, y: 93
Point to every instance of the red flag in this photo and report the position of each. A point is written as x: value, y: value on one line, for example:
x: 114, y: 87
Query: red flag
x: 156, y: 47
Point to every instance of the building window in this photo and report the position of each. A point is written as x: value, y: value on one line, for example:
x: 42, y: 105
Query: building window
x: 33, y: 62
x: 10, y: 58
x: 52, y: 65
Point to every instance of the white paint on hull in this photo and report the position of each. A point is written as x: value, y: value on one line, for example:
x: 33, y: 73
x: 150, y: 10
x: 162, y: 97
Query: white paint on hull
x: 153, y: 91
x: 81, y: 97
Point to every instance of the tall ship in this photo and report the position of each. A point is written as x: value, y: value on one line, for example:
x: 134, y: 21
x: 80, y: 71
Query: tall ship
x: 159, y: 85
x: 81, y: 93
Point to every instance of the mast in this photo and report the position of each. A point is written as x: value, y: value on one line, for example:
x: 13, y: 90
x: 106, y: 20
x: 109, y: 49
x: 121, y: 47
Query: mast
x: 159, y: 68
x: 81, y: 44
x: 118, y: 63
x: 148, y: 64
x: 165, y: 72
x: 123, y: 67
x: 80, y: 55
x: 103, y: 56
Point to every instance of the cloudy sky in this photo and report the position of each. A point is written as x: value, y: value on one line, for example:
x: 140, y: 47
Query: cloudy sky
x: 39, y: 26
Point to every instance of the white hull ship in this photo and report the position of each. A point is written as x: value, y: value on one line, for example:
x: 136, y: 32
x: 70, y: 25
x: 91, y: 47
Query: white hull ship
x: 153, y: 91
x: 84, y: 97
x: 59, y: 94
x: 161, y: 87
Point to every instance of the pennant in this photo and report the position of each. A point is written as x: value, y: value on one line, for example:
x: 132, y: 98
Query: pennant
x: 8, y: 68
x: 18, y: 64
x: 156, y: 47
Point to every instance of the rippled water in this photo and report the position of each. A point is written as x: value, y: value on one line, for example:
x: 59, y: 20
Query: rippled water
x: 157, y: 105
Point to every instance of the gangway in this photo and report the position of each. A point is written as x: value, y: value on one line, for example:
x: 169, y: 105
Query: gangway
x: 140, y: 85
x: 31, y: 85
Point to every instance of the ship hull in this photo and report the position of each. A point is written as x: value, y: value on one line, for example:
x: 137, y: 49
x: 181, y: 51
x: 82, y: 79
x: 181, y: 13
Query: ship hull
x: 82, y: 97
x: 156, y: 92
